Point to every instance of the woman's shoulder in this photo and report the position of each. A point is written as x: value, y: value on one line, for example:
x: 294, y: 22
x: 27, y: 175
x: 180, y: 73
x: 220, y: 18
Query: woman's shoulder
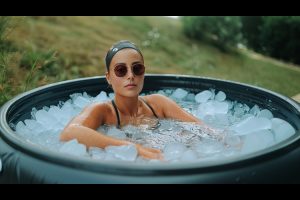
x: 98, y: 107
x: 156, y: 100
x: 155, y: 97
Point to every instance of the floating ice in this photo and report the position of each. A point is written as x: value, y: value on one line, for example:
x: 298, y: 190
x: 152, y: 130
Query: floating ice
x: 217, y: 120
x: 282, y: 129
x: 251, y: 124
x: 258, y: 140
x: 254, y: 110
x: 124, y: 152
x: 265, y: 113
x: 237, y: 129
x: 188, y: 156
x: 239, y: 110
x: 74, y: 148
x: 81, y: 102
x: 212, y: 108
x: 233, y: 141
x: 34, y: 126
x: 68, y: 110
x: 85, y: 95
x: 190, y: 97
x: 97, y: 153
x: 117, y: 133
x: 22, y: 129
x: 168, y: 92
x: 179, y: 94
x: 220, y: 96
x: 212, y: 94
x: 59, y: 115
x: 208, y: 146
x: 102, y: 97
x: 203, y: 97
x: 111, y: 95
x: 44, y: 118
x: 162, y: 93
x: 174, y: 151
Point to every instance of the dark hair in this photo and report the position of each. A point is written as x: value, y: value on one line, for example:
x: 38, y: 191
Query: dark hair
x: 123, y: 44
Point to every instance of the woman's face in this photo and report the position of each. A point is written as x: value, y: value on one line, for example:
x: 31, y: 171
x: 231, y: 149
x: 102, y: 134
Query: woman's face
x: 129, y: 85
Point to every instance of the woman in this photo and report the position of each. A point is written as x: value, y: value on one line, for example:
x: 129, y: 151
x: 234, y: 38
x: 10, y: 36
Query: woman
x: 125, y: 74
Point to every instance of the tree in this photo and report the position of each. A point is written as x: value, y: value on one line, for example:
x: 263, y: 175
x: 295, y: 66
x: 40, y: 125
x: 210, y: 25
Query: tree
x: 223, y: 31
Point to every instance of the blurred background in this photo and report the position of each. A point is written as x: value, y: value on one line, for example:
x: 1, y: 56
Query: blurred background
x: 257, y: 50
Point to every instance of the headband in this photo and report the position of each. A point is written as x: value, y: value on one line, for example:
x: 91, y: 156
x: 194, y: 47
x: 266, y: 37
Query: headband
x: 116, y: 48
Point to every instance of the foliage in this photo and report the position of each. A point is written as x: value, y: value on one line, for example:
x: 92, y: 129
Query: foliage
x: 223, y: 31
x: 276, y: 36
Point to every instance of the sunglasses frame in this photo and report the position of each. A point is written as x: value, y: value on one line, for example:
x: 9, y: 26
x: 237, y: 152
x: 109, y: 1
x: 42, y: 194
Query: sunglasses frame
x: 118, y: 74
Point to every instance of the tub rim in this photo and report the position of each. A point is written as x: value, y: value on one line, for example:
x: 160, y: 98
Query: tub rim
x: 9, y: 136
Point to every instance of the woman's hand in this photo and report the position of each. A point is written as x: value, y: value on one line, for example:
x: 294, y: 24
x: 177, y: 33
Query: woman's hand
x: 149, y: 153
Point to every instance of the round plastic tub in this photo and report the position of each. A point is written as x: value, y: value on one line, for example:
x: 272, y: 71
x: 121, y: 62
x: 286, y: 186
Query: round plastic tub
x: 23, y: 162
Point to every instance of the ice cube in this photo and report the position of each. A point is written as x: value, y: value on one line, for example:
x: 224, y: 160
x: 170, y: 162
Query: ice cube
x: 179, y: 94
x: 207, y: 147
x: 34, y: 126
x: 173, y: 151
x: 232, y: 140
x: 124, y: 152
x: 265, y: 113
x: 97, y: 153
x: 251, y: 124
x: 221, y: 96
x: 189, y: 156
x: 190, y: 97
x: 212, y: 108
x: 282, y: 129
x: 61, y: 117
x: 72, y: 147
x: 22, y: 129
x: 162, y: 93
x: 254, y: 110
x: 257, y: 140
x: 111, y: 95
x: 46, y: 119
x: 101, y: 97
x: 117, y: 133
x: 85, y: 95
x: 203, y: 96
x: 81, y: 102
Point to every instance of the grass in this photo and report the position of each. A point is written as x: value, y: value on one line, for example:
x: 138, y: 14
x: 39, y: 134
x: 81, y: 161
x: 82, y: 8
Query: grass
x: 73, y: 47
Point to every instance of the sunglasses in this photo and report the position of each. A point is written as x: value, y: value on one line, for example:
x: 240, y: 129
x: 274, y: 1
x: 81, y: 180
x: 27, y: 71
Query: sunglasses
x: 137, y: 69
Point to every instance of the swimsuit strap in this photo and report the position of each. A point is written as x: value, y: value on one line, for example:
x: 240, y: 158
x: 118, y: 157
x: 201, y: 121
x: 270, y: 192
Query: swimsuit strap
x: 150, y: 107
x: 117, y: 112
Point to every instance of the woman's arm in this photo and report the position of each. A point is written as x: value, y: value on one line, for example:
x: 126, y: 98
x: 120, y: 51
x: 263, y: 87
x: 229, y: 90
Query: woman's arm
x: 89, y: 137
x: 82, y: 128
x: 170, y: 109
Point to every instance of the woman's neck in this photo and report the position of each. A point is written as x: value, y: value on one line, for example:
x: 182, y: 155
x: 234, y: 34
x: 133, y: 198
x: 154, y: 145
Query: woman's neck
x: 128, y: 106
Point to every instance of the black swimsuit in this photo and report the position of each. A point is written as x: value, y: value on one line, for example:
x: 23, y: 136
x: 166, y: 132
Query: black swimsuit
x: 118, y: 116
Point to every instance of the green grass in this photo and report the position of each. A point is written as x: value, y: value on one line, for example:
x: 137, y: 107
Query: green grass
x: 80, y: 44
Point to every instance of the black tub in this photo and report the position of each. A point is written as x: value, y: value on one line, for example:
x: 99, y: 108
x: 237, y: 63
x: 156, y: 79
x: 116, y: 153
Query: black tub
x: 26, y: 163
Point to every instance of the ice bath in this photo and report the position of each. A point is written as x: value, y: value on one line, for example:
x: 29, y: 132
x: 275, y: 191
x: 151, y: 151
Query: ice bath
x: 237, y: 129
x: 229, y: 153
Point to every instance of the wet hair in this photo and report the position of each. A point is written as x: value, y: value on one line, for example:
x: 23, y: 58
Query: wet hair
x: 123, y: 44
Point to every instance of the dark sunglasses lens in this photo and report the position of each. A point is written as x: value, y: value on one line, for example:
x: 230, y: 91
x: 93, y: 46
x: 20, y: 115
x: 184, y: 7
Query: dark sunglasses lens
x: 120, y: 70
x: 138, y: 69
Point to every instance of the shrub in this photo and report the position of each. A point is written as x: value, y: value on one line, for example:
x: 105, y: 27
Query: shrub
x: 276, y: 36
x: 223, y: 31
